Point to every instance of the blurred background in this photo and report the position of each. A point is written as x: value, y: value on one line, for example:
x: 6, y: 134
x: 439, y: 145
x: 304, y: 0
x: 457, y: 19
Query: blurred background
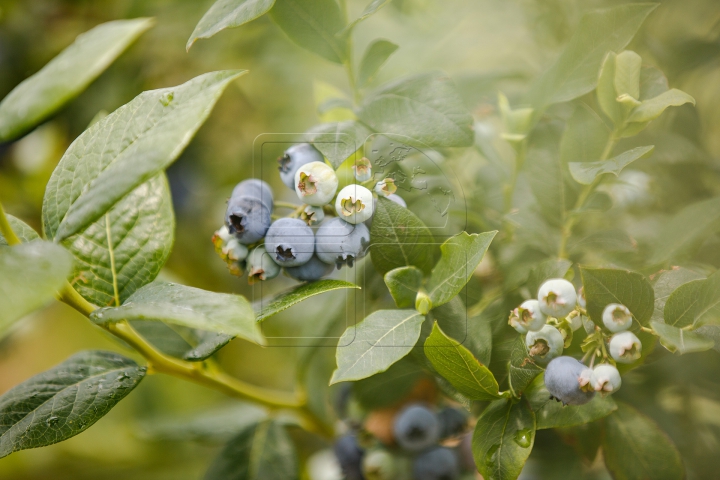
x: 485, y: 45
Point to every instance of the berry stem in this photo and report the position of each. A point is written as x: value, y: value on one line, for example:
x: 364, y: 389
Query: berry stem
x: 203, y: 373
x: 582, y: 198
x: 7, y: 230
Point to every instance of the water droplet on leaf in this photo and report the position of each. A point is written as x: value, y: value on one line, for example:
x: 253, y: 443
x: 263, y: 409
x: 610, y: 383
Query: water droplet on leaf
x: 52, y: 421
x: 491, y: 456
x: 523, y: 438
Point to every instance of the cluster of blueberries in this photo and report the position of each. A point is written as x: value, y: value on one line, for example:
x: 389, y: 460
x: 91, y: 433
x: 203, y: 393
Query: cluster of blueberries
x: 545, y: 321
x: 423, y: 444
x: 289, y: 243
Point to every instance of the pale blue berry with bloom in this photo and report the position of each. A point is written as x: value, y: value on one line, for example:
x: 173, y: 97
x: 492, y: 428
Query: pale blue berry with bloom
x: 566, y: 379
x: 294, y: 158
x: 290, y: 242
x: 617, y: 317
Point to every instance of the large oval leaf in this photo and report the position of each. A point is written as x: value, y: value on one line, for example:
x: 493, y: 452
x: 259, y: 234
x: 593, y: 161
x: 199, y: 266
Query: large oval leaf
x: 371, y: 346
x: 126, y: 248
x: 125, y: 149
x: 22, y: 230
x: 68, y: 74
x: 300, y: 293
x: 228, y: 14
x: 66, y: 400
x: 606, y: 285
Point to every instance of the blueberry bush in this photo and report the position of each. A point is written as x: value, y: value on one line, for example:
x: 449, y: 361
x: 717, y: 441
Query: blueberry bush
x: 500, y: 269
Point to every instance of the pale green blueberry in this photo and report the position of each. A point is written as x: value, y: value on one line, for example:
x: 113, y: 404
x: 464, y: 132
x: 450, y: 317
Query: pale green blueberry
x: 575, y: 322
x: 260, y: 265
x: 545, y: 344
x: 354, y: 204
x: 527, y: 317
x: 606, y: 378
x: 235, y: 250
x: 312, y: 215
x: 316, y: 183
x: 557, y: 297
x: 362, y: 170
x: 617, y: 317
x: 625, y: 347
x: 386, y: 187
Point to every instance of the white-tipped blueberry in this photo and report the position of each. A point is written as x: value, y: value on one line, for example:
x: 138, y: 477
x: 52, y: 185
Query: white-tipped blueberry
x: 527, y: 317
x: 354, y: 204
x: 338, y: 242
x: 316, y: 183
x: 260, y: 266
x: 386, y: 187
x: 564, y: 379
x: 545, y: 344
x: 235, y: 250
x: 362, y: 170
x: 617, y: 317
x: 557, y: 297
x: 606, y: 378
x: 294, y: 158
x: 313, y: 270
x: 625, y: 347
x: 312, y: 215
x: 290, y: 242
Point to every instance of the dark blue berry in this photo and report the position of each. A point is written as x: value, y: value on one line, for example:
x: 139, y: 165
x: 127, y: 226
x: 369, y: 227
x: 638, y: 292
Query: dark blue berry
x: 416, y: 428
x: 349, y: 455
x: 440, y: 463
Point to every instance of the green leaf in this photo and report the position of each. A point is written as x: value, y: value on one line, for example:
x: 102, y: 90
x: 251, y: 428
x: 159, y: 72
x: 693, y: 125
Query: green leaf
x: 459, y: 367
x: 371, y: 346
x: 370, y: 9
x: 209, y: 343
x: 586, y: 172
x: 575, y: 72
x: 652, y: 82
x: 686, y: 230
x: 313, y: 24
x: 126, y: 248
x: 503, y: 439
x: 261, y: 452
x: 603, y: 240
x: 403, y: 284
x: 300, y: 293
x: 651, y: 109
x: 544, y: 171
x: 66, y: 400
x: 665, y: 284
x: 124, y: 150
x: 606, y: 93
x: 603, y: 286
x: 681, y: 341
x: 522, y: 369
x: 388, y: 387
x: 374, y: 57
x: 22, y: 230
x: 228, y: 14
x: 459, y: 257
x: 585, y: 136
x: 68, y: 74
x: 398, y: 238
x: 551, y: 413
x: 30, y: 275
x: 186, y: 306
x: 635, y: 447
x: 426, y: 108
x: 683, y: 304
x: 627, y: 74
x: 545, y: 270
x: 338, y: 140
x: 708, y: 304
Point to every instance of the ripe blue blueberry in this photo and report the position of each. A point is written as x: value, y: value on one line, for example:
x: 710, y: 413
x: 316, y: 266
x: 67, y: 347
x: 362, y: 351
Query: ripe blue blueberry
x: 527, y: 317
x: 416, y: 428
x: 606, y: 378
x: 247, y: 218
x: 313, y: 270
x: 625, y: 347
x: 354, y: 204
x: 557, y: 297
x: 255, y: 188
x: 340, y: 243
x: 379, y: 464
x: 290, y: 242
x: 453, y: 421
x: 440, y: 463
x: 294, y: 158
x: 350, y: 456
x: 617, y: 317
x: 545, y: 344
x: 316, y: 183
x: 564, y: 378
x: 261, y: 266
